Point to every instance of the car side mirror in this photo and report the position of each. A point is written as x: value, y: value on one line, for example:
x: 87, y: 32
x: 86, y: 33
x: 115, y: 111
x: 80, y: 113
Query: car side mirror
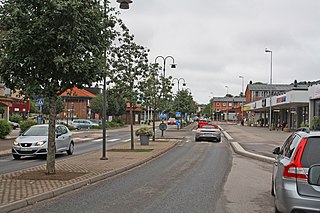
x: 314, y: 175
x: 277, y: 151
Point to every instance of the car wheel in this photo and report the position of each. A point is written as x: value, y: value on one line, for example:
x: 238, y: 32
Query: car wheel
x: 276, y: 209
x: 17, y: 157
x: 196, y: 139
x: 71, y: 149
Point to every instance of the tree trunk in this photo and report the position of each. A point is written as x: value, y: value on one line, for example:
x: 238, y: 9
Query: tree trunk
x: 51, y: 138
x: 131, y: 126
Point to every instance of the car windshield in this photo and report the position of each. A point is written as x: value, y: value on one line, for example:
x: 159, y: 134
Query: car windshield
x: 37, y: 131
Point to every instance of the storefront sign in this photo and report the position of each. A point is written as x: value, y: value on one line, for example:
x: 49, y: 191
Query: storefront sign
x: 282, y: 99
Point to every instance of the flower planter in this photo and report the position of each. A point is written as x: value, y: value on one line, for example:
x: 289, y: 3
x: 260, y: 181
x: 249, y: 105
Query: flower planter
x: 144, y: 140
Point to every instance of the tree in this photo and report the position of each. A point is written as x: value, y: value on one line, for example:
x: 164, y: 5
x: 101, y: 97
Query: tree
x: 151, y: 90
x: 48, y: 47
x: 184, y: 102
x: 115, y: 103
x: 129, y: 65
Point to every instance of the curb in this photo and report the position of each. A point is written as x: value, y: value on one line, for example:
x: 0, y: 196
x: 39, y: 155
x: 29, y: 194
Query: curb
x: 237, y: 148
x: 56, y: 192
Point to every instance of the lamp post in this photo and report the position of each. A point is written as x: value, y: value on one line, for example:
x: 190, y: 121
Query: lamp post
x: 178, y: 80
x: 270, y: 107
x: 173, y: 65
x: 124, y: 4
x: 227, y: 103
x: 242, y: 83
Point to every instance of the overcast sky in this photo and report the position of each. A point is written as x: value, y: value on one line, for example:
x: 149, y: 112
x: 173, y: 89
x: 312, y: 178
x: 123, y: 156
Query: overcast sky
x: 213, y: 42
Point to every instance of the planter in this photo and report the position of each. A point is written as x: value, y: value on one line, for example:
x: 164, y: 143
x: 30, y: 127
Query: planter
x: 144, y: 140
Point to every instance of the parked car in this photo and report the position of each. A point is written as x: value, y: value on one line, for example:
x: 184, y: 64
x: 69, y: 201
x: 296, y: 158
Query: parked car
x: 34, y: 141
x: 82, y: 124
x: 14, y: 125
x: 171, y: 121
x: 208, y: 133
x: 293, y: 180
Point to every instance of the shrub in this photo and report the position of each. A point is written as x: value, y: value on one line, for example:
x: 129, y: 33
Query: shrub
x: 315, y: 123
x: 144, y: 130
x: 26, y: 124
x: 15, y: 118
x: 5, y: 128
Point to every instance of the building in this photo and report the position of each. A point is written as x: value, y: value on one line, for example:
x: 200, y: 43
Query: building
x: 227, y: 108
x: 314, y: 100
x: 76, y: 104
x: 289, y: 105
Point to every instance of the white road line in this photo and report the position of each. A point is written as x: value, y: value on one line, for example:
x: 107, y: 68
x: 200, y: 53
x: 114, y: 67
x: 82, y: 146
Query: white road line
x: 127, y: 140
x: 112, y: 140
x: 82, y: 139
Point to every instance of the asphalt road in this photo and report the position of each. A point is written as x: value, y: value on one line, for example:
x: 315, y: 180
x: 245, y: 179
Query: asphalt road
x: 8, y: 164
x: 190, y: 178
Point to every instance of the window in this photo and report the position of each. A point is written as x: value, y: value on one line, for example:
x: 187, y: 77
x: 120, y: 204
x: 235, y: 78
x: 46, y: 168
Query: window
x: 217, y: 104
x: 290, y: 144
x: 317, y: 107
x: 311, y: 152
x: 224, y: 104
x: 230, y: 104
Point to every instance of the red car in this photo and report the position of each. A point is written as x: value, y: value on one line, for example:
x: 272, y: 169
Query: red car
x: 171, y: 121
x: 204, y: 122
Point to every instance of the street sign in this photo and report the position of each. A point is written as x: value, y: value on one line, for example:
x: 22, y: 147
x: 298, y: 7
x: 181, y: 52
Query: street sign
x: 163, y: 116
x: 163, y: 126
x: 178, y: 114
x: 40, y: 102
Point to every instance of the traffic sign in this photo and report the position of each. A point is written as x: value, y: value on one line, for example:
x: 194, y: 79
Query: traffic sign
x: 163, y: 126
x: 178, y: 114
x: 40, y: 102
x: 163, y: 116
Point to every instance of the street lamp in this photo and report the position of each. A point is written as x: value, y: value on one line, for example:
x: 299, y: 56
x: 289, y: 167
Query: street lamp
x: 173, y: 65
x: 242, y: 95
x: 178, y: 80
x: 270, y: 108
x: 124, y: 4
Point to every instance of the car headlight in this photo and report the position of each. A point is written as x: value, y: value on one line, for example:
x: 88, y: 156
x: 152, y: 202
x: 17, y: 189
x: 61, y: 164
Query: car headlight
x: 15, y: 143
x: 40, y: 143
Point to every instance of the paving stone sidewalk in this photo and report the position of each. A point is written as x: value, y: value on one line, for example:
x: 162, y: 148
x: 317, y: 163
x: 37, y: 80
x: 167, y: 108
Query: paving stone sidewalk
x: 17, y: 193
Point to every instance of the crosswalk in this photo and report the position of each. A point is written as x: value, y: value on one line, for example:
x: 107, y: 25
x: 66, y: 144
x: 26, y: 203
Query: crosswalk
x: 99, y: 140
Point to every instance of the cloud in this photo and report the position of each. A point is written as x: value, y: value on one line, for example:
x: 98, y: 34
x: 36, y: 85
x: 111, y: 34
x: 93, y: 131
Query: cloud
x: 213, y: 42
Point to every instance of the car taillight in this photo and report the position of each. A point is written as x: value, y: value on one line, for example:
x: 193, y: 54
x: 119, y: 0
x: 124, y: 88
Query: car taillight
x: 295, y: 169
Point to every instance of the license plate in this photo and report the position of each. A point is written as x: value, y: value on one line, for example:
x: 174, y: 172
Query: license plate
x: 26, y: 149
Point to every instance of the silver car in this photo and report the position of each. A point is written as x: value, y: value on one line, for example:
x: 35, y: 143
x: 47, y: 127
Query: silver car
x: 83, y: 124
x: 34, y: 141
x: 293, y: 188
x: 208, y: 133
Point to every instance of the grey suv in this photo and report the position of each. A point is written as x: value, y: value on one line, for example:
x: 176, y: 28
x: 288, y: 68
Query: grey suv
x: 292, y: 189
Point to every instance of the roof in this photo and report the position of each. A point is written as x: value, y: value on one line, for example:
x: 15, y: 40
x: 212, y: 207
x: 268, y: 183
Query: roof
x: 78, y: 93
x: 276, y: 87
x: 229, y: 99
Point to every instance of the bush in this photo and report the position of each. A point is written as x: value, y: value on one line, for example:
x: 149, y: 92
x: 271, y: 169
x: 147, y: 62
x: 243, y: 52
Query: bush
x: 26, y: 124
x: 144, y: 130
x: 5, y: 128
x: 315, y: 123
x: 15, y: 118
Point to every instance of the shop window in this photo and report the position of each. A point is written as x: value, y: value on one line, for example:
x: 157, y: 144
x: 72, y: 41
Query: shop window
x: 317, y: 107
